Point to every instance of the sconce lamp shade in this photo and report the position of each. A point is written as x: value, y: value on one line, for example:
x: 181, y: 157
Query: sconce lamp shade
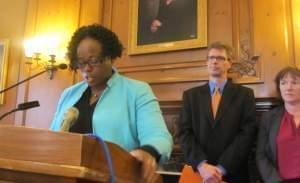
x: 44, y: 45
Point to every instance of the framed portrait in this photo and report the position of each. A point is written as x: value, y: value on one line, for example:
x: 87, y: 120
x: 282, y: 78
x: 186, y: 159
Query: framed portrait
x: 166, y: 25
x: 3, y: 65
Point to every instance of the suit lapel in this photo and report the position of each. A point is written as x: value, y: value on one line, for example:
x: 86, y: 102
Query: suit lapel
x: 276, y: 119
x: 227, y: 96
x: 205, y: 99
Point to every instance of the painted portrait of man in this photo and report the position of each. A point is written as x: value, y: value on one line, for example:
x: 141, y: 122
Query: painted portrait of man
x: 161, y: 21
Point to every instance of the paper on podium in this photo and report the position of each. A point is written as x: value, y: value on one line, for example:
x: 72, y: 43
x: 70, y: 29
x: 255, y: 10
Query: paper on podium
x: 189, y: 176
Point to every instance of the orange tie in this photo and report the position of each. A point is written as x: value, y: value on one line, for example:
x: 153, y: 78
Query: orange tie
x: 215, y: 100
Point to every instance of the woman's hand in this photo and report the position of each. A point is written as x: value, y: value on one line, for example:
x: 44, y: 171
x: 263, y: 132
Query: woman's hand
x: 149, y: 165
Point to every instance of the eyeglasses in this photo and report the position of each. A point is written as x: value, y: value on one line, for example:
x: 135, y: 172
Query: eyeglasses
x: 92, y: 62
x: 218, y: 58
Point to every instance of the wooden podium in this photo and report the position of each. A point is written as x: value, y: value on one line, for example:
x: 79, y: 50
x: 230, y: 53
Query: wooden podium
x: 43, y: 156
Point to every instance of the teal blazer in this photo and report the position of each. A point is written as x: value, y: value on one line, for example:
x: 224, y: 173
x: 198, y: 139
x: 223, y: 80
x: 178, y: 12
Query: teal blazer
x: 127, y: 114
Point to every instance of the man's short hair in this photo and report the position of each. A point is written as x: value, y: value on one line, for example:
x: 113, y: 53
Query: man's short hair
x: 222, y: 46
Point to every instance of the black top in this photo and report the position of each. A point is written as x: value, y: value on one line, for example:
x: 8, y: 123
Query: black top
x: 84, y: 122
x: 84, y: 125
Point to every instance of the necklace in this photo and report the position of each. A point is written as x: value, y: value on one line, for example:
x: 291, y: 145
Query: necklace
x: 96, y: 95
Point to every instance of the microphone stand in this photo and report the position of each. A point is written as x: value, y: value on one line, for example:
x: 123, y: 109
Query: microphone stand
x: 22, y: 107
x: 50, y: 69
x: 29, y: 78
x: 8, y: 113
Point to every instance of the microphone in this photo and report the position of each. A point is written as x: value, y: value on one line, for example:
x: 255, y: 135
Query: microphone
x: 55, y: 67
x: 49, y: 68
x: 70, y: 117
x: 62, y: 66
x: 22, y: 107
x: 28, y: 105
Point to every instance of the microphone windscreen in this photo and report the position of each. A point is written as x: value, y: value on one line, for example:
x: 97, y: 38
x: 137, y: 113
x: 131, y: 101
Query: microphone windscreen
x: 28, y: 105
x: 62, y: 66
x: 70, y: 117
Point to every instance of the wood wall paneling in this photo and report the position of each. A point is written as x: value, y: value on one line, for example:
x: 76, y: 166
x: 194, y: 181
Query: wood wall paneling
x: 12, y: 20
x: 59, y: 17
x: 152, y: 68
x: 245, y: 66
x: 229, y: 21
x: 266, y: 28
x: 24, y: 72
x: 91, y: 11
x: 220, y: 21
x: 295, y: 5
x: 272, y: 40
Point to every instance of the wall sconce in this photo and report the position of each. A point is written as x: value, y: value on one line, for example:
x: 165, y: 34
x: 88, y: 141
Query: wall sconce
x: 43, y: 51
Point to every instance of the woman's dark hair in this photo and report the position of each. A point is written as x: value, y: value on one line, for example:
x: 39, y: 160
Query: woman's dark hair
x: 111, y: 45
x: 293, y: 71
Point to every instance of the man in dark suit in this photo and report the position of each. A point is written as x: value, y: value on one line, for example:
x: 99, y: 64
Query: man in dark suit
x: 217, y: 124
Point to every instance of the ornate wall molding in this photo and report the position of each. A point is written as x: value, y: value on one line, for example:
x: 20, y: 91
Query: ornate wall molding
x: 247, y: 65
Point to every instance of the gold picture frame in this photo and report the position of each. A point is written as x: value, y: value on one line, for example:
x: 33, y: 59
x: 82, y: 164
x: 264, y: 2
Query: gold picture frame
x: 4, y: 43
x: 144, y: 36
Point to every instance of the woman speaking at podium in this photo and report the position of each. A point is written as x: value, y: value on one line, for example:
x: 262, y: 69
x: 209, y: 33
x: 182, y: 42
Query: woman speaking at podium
x: 117, y: 109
